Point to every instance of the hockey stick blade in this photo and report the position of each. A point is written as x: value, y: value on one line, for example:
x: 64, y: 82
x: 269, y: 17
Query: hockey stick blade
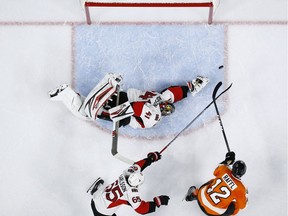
x: 124, y: 159
x: 114, y: 149
x: 214, y: 99
x: 216, y: 90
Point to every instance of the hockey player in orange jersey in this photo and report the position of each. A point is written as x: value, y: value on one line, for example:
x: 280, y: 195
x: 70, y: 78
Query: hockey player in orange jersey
x: 225, y: 194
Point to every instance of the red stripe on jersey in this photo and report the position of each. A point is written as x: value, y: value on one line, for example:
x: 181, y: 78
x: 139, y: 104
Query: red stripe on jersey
x: 144, y: 208
x: 118, y: 202
x: 177, y: 92
x: 137, y: 107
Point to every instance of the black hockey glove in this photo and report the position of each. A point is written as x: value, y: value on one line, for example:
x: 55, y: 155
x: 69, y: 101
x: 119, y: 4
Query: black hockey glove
x: 154, y: 156
x: 161, y: 200
x: 230, y: 158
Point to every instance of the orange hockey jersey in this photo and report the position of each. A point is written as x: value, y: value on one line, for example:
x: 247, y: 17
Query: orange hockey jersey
x: 215, y: 196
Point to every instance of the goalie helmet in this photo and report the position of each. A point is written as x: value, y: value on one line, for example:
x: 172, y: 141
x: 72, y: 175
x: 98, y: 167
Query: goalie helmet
x: 166, y: 108
x: 239, y: 169
x: 135, y: 179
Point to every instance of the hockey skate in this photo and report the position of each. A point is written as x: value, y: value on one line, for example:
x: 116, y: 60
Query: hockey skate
x: 191, y: 194
x: 197, y: 84
x: 54, y: 93
x: 94, y: 187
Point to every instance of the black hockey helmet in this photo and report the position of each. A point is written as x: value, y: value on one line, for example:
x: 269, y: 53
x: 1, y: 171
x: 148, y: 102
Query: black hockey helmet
x: 166, y: 108
x: 239, y: 169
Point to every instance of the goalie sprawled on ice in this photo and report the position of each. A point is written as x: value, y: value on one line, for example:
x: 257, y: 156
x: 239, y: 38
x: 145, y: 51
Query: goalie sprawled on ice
x: 138, y: 109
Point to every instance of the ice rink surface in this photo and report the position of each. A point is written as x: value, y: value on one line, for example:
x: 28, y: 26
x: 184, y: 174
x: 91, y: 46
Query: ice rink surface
x: 48, y: 158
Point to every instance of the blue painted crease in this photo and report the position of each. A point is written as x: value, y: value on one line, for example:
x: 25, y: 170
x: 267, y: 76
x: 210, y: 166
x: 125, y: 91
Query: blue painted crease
x: 153, y: 57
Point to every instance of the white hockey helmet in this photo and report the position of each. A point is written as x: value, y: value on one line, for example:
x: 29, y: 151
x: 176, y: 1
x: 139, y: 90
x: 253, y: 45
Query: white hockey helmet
x: 135, y: 179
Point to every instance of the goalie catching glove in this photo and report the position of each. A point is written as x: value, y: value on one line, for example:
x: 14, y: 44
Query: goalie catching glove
x: 161, y: 200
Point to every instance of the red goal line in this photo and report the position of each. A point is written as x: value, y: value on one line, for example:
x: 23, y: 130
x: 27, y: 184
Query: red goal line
x: 128, y: 4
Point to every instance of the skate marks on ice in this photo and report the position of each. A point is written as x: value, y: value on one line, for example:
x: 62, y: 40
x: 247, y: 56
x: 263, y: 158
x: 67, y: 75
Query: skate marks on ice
x: 153, y: 57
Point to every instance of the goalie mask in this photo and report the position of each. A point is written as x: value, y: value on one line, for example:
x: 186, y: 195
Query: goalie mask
x: 135, y: 179
x: 166, y: 108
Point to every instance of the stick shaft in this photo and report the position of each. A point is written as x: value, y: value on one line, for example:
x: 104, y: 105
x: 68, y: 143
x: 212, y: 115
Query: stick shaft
x: 218, y: 115
x: 114, y: 149
x: 188, y: 125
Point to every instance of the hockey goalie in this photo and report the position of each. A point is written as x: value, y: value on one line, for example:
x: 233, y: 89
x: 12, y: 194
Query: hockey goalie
x: 136, y: 108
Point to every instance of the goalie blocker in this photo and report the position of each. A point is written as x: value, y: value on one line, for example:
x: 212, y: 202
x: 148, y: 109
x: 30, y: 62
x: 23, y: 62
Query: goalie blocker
x: 121, y: 111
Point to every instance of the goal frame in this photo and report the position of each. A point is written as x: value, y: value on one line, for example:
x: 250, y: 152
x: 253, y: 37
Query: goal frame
x: 88, y: 4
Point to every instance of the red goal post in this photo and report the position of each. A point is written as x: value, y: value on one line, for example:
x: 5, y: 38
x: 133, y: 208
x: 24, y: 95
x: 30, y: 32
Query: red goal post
x: 88, y: 4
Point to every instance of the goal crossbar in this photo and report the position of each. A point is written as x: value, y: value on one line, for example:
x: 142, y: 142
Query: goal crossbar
x: 128, y: 4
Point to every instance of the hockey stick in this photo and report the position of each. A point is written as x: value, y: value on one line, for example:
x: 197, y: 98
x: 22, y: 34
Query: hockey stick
x: 218, y: 115
x: 115, y: 136
x: 197, y: 116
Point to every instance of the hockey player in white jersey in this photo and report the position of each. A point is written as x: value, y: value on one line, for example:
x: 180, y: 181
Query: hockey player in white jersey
x: 144, y: 108
x: 125, y: 191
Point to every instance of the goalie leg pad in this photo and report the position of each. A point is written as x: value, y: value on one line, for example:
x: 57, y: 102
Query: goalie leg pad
x: 72, y: 100
x: 100, y: 94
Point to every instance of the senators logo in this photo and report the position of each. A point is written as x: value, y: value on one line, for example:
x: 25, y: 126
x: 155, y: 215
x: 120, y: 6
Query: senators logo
x: 147, y: 95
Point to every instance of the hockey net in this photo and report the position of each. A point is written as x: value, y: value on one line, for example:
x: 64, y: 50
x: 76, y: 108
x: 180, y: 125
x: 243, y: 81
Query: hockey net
x: 87, y: 4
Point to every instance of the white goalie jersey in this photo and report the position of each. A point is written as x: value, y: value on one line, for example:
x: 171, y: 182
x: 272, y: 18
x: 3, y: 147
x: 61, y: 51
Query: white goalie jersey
x: 146, y: 108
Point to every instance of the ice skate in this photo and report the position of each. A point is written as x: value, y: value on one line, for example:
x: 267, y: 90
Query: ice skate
x: 197, y: 84
x: 54, y: 93
x: 191, y: 194
x: 94, y: 187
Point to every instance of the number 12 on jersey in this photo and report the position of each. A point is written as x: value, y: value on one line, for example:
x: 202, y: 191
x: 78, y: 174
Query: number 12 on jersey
x: 223, y: 191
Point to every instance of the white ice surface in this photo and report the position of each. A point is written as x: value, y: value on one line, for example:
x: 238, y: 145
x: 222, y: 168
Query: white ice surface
x: 48, y: 158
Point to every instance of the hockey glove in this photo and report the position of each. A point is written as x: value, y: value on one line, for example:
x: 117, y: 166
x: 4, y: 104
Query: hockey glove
x: 230, y: 158
x: 154, y: 156
x: 161, y: 200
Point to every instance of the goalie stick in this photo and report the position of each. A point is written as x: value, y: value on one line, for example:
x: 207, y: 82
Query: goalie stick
x: 188, y: 125
x: 218, y: 115
x: 114, y: 148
